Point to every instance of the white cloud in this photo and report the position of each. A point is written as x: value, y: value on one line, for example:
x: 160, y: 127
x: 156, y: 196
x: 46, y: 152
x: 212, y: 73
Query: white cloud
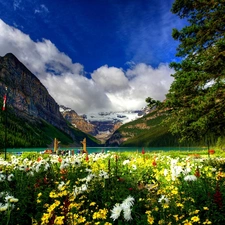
x: 109, y: 88
x: 144, y: 81
x: 150, y: 82
x: 111, y: 79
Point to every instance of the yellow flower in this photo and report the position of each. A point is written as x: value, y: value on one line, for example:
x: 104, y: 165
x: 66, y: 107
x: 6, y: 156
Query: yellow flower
x: 161, y: 222
x: 45, y: 218
x: 196, y: 211
x: 107, y: 223
x: 205, y: 208
x: 67, y: 183
x: 186, y: 222
x: 195, y: 219
x: 62, y: 193
x: 174, y: 192
x: 101, y: 214
x: 150, y: 219
x: 59, y: 220
x: 176, y: 217
x: 53, y: 194
x: 207, y: 222
x: 92, y: 203
x: 165, y: 206
x: 39, y: 195
x: 180, y: 205
x: 81, y: 219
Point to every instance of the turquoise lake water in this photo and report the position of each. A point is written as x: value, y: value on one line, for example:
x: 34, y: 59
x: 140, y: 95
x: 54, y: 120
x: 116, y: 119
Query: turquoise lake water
x: 112, y: 149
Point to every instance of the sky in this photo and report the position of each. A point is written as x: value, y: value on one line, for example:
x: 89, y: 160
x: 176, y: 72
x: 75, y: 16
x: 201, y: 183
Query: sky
x: 94, y: 55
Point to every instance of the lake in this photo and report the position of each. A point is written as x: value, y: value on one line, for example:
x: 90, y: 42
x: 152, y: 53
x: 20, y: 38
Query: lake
x: 112, y: 149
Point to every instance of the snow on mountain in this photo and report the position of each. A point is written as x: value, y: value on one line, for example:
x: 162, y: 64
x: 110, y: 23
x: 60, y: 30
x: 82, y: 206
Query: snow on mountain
x: 103, y: 124
x: 114, y: 117
x: 123, y: 117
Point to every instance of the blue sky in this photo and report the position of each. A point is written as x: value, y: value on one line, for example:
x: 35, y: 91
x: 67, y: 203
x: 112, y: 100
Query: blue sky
x: 93, y: 55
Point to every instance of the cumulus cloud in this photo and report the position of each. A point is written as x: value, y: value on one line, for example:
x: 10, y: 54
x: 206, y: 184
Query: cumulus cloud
x: 108, y: 89
x: 142, y: 81
x: 111, y: 79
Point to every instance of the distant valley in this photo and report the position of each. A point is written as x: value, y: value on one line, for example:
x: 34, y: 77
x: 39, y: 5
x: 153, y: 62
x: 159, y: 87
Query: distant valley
x: 102, y: 124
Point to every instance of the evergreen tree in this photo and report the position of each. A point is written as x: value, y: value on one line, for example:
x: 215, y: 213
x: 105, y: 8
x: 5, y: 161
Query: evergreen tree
x: 197, y: 95
x: 152, y: 103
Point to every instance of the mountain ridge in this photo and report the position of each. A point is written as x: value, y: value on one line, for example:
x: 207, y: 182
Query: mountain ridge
x: 29, y: 103
x: 102, y: 124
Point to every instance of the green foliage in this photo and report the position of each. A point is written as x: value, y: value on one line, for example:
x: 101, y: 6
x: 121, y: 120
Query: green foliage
x: 220, y: 143
x: 150, y: 131
x: 153, y: 130
x: 152, y: 103
x: 196, y: 97
x: 38, y: 133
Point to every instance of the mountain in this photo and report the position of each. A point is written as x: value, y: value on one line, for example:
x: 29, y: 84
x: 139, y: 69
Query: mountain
x: 34, y: 118
x: 77, y: 121
x: 103, y: 124
x: 148, y: 131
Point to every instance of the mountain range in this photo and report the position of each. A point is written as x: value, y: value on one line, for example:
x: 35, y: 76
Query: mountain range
x: 33, y: 118
x: 102, y: 124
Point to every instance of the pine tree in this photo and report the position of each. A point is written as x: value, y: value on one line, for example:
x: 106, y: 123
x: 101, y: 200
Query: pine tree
x: 197, y: 95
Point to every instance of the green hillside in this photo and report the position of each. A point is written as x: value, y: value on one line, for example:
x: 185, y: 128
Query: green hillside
x: 150, y: 131
x: 37, y: 133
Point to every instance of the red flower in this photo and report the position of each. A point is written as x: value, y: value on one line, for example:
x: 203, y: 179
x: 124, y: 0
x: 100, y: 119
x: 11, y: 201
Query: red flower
x: 197, y: 172
x: 87, y: 157
x: 60, y: 159
x: 45, y: 180
x: 143, y: 151
x: 154, y: 163
x: 211, y: 151
x: 38, y: 159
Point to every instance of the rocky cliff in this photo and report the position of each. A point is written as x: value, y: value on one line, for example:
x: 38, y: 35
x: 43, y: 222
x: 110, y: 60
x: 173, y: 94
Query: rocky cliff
x: 26, y: 94
x: 78, y: 121
x: 100, y: 127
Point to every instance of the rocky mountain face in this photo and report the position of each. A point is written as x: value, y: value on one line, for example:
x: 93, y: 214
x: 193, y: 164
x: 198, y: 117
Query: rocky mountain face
x: 26, y: 94
x: 77, y: 121
x: 101, y: 125
x: 100, y: 128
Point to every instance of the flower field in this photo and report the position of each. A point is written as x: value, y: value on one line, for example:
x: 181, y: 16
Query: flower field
x: 112, y: 188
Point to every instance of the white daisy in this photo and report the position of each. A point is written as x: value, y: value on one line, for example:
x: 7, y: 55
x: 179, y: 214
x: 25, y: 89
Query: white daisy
x: 128, y: 202
x: 116, y: 211
x: 10, y: 177
x: 103, y: 174
x: 2, y: 177
x: 127, y: 214
x: 126, y: 162
x: 163, y: 199
x: 190, y: 178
